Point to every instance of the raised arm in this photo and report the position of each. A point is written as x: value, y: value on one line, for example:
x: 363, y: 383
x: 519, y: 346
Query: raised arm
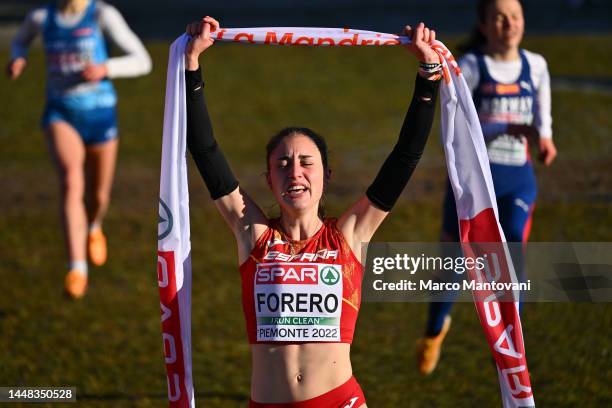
x: 243, y: 216
x: 360, y: 222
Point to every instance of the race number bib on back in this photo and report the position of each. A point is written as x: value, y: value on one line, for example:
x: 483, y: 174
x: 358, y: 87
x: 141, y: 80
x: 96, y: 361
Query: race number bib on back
x: 298, y: 302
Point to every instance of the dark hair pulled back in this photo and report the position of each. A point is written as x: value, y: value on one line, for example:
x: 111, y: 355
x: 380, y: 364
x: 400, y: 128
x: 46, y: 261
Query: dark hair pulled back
x: 317, y: 139
x: 477, y: 39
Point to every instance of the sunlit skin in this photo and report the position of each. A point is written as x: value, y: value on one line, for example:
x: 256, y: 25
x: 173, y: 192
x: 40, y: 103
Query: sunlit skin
x: 72, y: 6
x: 503, y: 27
x: 296, y: 178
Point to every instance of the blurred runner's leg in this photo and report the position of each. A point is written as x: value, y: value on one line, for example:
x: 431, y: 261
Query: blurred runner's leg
x: 100, y: 165
x: 68, y: 152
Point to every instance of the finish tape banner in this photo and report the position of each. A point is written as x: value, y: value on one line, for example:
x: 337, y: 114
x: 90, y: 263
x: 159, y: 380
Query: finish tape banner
x: 469, y: 173
x: 174, y: 245
x: 307, y: 36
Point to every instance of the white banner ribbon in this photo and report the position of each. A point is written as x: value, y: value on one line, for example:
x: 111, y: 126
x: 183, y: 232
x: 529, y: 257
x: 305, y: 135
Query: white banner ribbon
x: 173, y: 242
x: 313, y: 36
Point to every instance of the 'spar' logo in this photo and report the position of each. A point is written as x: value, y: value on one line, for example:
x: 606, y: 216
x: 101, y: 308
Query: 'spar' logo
x: 165, y: 221
x: 286, y: 273
x: 329, y: 275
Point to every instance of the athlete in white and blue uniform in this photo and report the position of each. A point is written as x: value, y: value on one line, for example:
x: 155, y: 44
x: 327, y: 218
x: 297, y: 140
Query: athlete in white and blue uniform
x: 80, y: 120
x: 88, y: 106
x: 506, y: 110
x: 511, y: 91
x: 71, y: 43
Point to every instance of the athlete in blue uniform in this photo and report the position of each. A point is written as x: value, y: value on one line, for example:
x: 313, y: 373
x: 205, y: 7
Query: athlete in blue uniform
x: 511, y: 91
x: 80, y: 120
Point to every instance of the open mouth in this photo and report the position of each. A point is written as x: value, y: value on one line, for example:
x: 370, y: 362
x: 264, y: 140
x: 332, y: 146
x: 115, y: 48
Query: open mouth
x: 295, y: 191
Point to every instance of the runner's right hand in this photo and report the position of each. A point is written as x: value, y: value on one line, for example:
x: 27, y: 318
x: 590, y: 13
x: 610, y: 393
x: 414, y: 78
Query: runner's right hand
x: 201, y: 39
x: 15, y: 68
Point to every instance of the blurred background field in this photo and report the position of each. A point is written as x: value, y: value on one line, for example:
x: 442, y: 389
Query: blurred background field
x: 109, y: 345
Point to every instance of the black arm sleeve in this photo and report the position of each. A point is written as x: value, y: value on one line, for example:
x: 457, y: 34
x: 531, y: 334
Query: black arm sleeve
x: 207, y: 155
x: 397, y: 169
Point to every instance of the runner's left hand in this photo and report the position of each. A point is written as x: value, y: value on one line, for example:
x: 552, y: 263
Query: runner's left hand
x: 421, y: 39
x: 94, y: 72
x: 548, y: 151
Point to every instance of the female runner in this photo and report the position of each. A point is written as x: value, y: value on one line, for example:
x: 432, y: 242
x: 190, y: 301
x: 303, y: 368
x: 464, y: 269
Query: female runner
x: 511, y: 91
x: 301, y: 273
x: 80, y: 121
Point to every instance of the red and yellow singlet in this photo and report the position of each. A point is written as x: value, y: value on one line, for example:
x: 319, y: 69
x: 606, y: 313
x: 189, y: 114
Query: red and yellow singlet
x: 301, y: 291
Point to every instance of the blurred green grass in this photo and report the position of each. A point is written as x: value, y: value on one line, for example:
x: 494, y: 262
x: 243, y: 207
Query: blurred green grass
x: 109, y: 344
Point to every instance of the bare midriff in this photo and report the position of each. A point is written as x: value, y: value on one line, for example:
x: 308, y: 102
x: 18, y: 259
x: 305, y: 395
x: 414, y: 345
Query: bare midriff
x: 297, y: 372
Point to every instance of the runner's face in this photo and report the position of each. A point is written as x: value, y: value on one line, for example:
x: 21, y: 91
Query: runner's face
x: 504, y: 25
x: 296, y: 173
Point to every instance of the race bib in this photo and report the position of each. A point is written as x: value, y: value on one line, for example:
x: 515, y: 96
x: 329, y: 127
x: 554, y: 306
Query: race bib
x: 298, y: 301
x: 507, y: 150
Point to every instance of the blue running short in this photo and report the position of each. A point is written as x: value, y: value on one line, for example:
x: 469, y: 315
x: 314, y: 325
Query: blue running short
x: 95, y: 126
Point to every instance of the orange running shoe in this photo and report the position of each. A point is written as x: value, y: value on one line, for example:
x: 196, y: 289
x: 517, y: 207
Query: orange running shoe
x: 96, y: 247
x: 428, y: 349
x: 75, y: 284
